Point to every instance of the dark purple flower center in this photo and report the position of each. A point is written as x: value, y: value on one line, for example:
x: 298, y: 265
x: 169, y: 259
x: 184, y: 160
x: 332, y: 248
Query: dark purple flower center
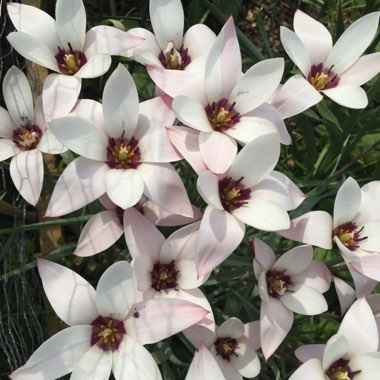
x: 222, y: 115
x: 174, y: 59
x: 123, y: 153
x: 340, y: 370
x: 322, y: 78
x: 226, y: 347
x: 164, y: 276
x: 27, y: 137
x: 70, y: 61
x: 350, y: 235
x: 107, y: 333
x: 233, y: 194
x: 277, y: 283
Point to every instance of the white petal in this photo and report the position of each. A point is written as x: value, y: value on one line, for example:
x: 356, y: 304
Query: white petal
x: 295, y: 50
x: 50, y: 144
x: 70, y: 295
x: 120, y: 103
x: 353, y: 42
x: 208, y: 188
x: 33, y: 49
x: 263, y: 254
x: 336, y: 347
x: 81, y: 182
x: 363, y: 70
x: 314, y: 35
x: 57, y: 356
x: 257, y: 85
x: 91, y: 111
x: 116, y: 290
x: 246, y: 360
x: 369, y: 364
x: 7, y: 149
x: 80, y: 136
x: 143, y: 266
x: 95, y: 66
x: 263, y: 215
x: 124, y: 186
x: 133, y: 361
x: 18, y: 97
x: 346, y: 294
x: 198, y: 40
x: 295, y: 260
x: 311, y: 370
x: 167, y: 20
x: 27, y: 173
x: 232, y: 327
x: 256, y: 159
x: 191, y: 113
x: 347, y: 202
x: 348, y: 96
x: 95, y: 364
x: 305, y: 301
x: 6, y: 124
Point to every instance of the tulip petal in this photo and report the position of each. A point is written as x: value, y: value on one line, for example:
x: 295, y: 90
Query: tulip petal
x: 116, y: 290
x: 6, y: 125
x: 311, y: 370
x: 310, y: 351
x: 232, y: 327
x: 348, y: 96
x: 7, y: 149
x: 208, y: 188
x: 95, y: 66
x: 246, y: 360
x: 198, y: 40
x: 263, y: 254
x: 336, y: 347
x: 295, y: 261
x: 346, y: 294
x: 57, y: 356
x: 316, y: 276
x: 70, y: 295
x: 27, y: 173
x: 368, y: 364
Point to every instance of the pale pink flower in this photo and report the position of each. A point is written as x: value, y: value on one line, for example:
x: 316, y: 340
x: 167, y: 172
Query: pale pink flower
x: 232, y: 346
x: 223, y: 106
x: 293, y: 283
x: 107, y: 329
x: 24, y: 135
x: 354, y: 230
x: 351, y: 354
x: 374, y: 303
x: 168, y: 47
x: 125, y: 152
x: 337, y: 71
x: 249, y: 192
x: 106, y: 227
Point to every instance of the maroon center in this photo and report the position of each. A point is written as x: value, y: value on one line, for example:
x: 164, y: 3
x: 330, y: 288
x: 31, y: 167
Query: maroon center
x: 27, y: 137
x: 222, y: 115
x: 340, y: 370
x: 174, y: 59
x: 277, y: 283
x: 226, y: 347
x: 70, y: 61
x: 233, y: 194
x: 123, y: 153
x: 107, y: 333
x: 350, y: 235
x: 164, y: 276
x: 322, y: 78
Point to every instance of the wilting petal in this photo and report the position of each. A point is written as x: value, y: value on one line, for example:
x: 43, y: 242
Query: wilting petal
x: 81, y: 136
x: 167, y: 20
x: 160, y: 318
x: 186, y: 140
x: 137, y: 227
x: 198, y: 40
x: 295, y: 50
x: 295, y: 96
x: 353, y: 42
x: 219, y: 235
x: 313, y: 228
x: 256, y: 160
x: 346, y: 294
x: 95, y: 66
x: 124, y: 186
x: 120, y: 103
x: 71, y: 23
x: 208, y: 188
x: 18, y: 97
x: 35, y: 22
x: 57, y: 356
x: 204, y: 366
x: 164, y: 187
x: 81, y: 182
x: 314, y: 36
x: 223, y: 65
x: 133, y: 361
x: 295, y: 260
x: 33, y: 49
x: 116, y: 290
x: 191, y: 113
x: 347, y: 202
x: 305, y: 300
x: 348, y: 96
x: 59, y: 95
x: 278, y: 188
x: 263, y: 215
x: 70, y: 295
x: 27, y: 173
x: 99, y: 233
x: 275, y: 323
x: 311, y: 370
x: 7, y: 149
x: 363, y: 70
x: 246, y: 360
x: 95, y: 364
x: 257, y: 85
